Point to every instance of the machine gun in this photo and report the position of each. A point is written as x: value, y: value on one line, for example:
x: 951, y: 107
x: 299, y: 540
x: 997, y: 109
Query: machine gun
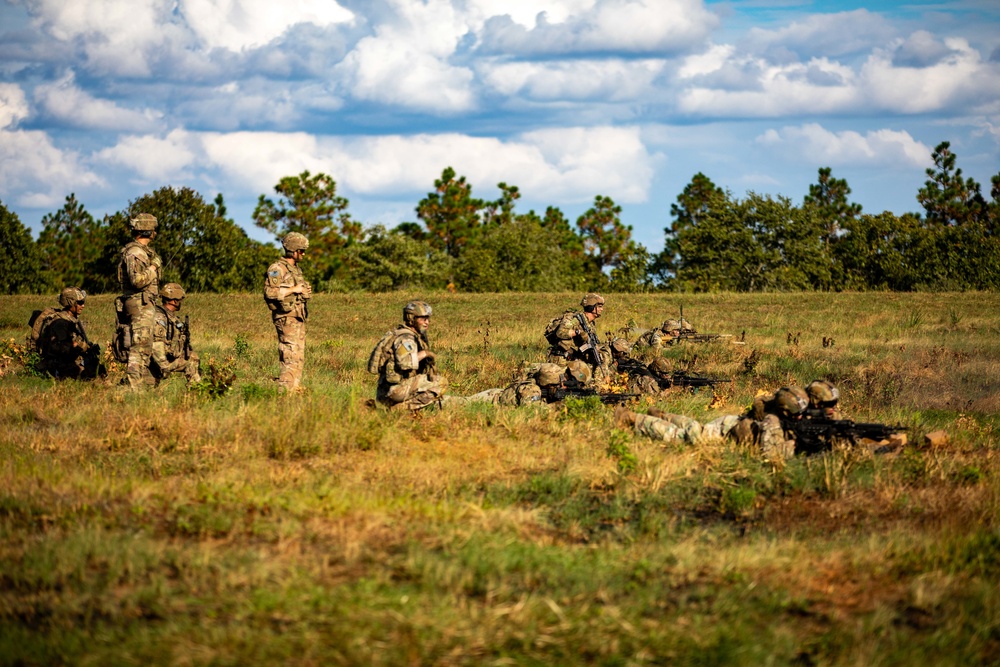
x: 816, y: 434
x: 692, y: 336
x: 668, y: 380
x: 556, y: 394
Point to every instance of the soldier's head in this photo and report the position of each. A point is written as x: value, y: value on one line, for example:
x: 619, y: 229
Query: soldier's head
x: 822, y: 394
x: 659, y: 366
x: 593, y: 305
x: 548, y: 375
x: 578, y: 373
x: 620, y: 348
x: 295, y: 245
x: 73, y: 299
x: 172, y: 296
x: 671, y: 326
x: 791, y: 401
x: 143, y: 226
x: 417, y: 315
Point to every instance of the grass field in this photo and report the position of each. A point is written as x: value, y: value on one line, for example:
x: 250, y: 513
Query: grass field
x: 170, y: 528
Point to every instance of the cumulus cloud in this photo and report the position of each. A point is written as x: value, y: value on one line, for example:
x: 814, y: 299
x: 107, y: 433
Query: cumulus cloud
x: 616, y: 26
x: 605, y: 80
x: 13, y: 105
x: 570, y: 164
x: 815, y: 144
x: 829, y: 35
x: 34, y: 173
x: 241, y: 24
x: 65, y: 102
x: 153, y: 158
x: 526, y: 12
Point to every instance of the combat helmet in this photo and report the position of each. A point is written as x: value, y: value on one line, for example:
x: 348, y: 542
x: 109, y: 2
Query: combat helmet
x: 172, y: 291
x: 791, y: 400
x: 415, y: 309
x: 579, y: 371
x: 294, y: 241
x: 671, y: 325
x: 591, y: 299
x: 822, y: 393
x: 548, y: 375
x: 620, y: 347
x: 144, y: 222
x: 659, y: 366
x: 71, y: 296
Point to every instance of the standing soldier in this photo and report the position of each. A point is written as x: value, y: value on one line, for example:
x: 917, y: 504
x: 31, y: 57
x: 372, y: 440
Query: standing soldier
x: 572, y: 336
x: 61, y: 341
x: 139, y: 277
x: 172, y: 339
x: 404, y: 363
x: 287, y: 295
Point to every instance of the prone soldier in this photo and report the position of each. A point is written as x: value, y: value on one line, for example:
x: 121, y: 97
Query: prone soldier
x: 59, y: 338
x: 172, y: 339
x: 139, y: 276
x: 287, y: 294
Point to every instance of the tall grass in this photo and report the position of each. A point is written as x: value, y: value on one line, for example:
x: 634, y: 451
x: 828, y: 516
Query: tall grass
x: 166, y: 527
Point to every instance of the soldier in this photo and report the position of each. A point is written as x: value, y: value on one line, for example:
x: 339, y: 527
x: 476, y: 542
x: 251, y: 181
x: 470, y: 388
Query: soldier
x: 139, y: 276
x: 823, y: 398
x: 761, y: 425
x: 667, y: 333
x: 171, y: 339
x: 61, y: 341
x: 572, y: 336
x: 537, y: 384
x: 287, y: 295
x: 404, y: 363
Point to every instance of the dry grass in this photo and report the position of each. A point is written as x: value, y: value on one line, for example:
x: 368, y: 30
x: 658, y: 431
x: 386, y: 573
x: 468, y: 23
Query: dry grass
x: 168, y: 528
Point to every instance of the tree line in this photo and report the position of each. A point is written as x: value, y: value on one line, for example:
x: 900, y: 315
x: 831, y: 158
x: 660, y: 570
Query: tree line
x: 714, y: 242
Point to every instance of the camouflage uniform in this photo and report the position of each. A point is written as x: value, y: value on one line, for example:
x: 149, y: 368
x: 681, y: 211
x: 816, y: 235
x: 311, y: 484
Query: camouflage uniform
x: 407, y: 379
x: 569, y: 338
x: 289, y: 311
x: 169, y: 338
x: 762, y: 424
x: 63, y: 347
x: 666, y: 334
x: 673, y: 428
x: 528, y: 388
x: 139, y: 277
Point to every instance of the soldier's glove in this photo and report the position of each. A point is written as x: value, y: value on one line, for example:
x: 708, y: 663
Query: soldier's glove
x: 307, y: 291
x: 84, y: 346
x: 428, y: 358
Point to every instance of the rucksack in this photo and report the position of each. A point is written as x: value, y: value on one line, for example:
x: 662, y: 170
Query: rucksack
x: 38, y: 321
x: 381, y: 353
x: 553, y: 326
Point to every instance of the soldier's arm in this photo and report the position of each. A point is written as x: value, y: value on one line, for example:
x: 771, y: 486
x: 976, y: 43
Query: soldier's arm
x: 140, y: 272
x: 407, y: 353
x: 568, y: 329
x: 280, y: 284
x: 159, y: 352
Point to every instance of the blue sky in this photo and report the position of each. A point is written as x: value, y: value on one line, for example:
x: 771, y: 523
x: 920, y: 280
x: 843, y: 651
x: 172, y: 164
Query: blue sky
x: 567, y: 99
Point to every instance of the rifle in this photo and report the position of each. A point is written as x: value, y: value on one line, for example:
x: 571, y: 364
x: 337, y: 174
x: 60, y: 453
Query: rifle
x: 556, y: 394
x: 693, y: 336
x: 187, y: 337
x: 93, y: 364
x: 595, y: 344
x: 815, y: 434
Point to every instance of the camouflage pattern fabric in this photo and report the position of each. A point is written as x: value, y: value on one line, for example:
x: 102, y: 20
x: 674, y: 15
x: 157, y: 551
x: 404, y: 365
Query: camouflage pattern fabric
x: 289, y: 317
x: 405, y: 382
x: 571, y: 335
x: 64, y: 351
x: 139, y: 277
x: 168, y: 348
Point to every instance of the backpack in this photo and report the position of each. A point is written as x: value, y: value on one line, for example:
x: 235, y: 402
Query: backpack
x: 553, y: 326
x: 381, y: 353
x: 38, y: 321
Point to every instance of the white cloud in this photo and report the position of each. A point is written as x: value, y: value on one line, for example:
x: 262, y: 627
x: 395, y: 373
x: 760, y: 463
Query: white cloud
x: 66, y: 102
x: 632, y: 26
x: 604, y: 80
x: 13, y: 105
x: 525, y: 12
x: 567, y: 164
x: 814, y: 144
x: 242, y: 24
x: 34, y: 173
x: 826, y: 34
x: 153, y: 158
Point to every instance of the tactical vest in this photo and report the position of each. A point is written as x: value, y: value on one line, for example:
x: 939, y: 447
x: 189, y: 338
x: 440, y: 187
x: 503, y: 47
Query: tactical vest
x: 128, y: 289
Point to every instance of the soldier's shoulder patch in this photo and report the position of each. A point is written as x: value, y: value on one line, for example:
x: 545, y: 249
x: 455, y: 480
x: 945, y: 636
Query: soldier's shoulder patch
x: 408, y: 344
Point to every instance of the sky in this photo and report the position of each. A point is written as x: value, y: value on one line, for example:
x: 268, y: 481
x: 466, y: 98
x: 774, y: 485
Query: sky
x: 566, y: 99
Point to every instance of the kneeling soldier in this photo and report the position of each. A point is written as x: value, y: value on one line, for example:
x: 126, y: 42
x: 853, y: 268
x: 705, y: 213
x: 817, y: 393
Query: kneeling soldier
x: 171, y: 339
x: 404, y: 363
x: 61, y: 341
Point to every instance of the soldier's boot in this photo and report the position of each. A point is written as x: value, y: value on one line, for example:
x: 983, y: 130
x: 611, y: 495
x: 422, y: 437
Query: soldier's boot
x: 624, y: 417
